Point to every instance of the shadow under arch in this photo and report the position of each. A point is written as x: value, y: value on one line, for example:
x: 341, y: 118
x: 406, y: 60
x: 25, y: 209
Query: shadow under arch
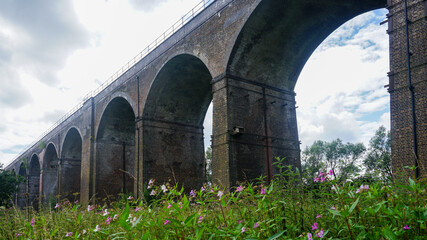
x: 50, y: 172
x: 173, y: 117
x: 115, y: 150
x: 70, y: 165
x: 34, y: 182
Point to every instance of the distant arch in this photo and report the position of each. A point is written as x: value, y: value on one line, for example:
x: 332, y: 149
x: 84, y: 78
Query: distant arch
x: 34, y: 182
x: 22, y: 187
x: 70, y: 165
x: 115, y: 149
x: 50, y: 172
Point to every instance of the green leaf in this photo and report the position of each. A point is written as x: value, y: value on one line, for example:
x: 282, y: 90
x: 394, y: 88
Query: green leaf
x: 353, y: 205
x: 188, y: 219
x: 412, y: 183
x: 389, y: 234
x: 79, y: 218
x: 277, y: 235
x: 335, y: 212
x: 124, y: 217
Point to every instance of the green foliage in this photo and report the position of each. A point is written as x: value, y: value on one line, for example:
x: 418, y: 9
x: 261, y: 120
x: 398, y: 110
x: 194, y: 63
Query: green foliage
x: 341, y: 158
x: 208, y: 165
x: 283, y: 209
x: 8, y: 186
x: 378, y: 158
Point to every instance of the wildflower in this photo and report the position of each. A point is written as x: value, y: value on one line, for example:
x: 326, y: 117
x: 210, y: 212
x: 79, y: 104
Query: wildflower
x: 192, y: 194
x: 18, y: 234
x: 97, y: 228
x: 362, y: 187
x: 316, y: 179
x: 57, y: 205
x: 169, y: 205
x: 321, y: 174
x: 153, y: 193
x: 202, y: 189
x: 256, y: 225
x: 331, y: 172
x: 200, y: 219
x: 108, y: 220
x: 164, y: 188
x: 115, y: 217
x: 406, y: 227
x: 243, y: 230
x: 239, y: 221
x: 318, y: 216
x: 320, y: 234
x: 84, y: 231
x: 150, y: 183
x: 32, y: 222
x: 315, y: 226
x: 309, y: 236
x: 90, y: 207
x: 77, y: 201
x: 130, y: 198
x: 105, y: 213
x: 69, y: 234
x: 239, y: 189
x: 137, y: 209
x: 167, y: 222
x: 180, y: 205
x: 220, y: 193
x: 322, y: 179
x: 333, y: 208
x: 263, y: 191
x: 133, y: 221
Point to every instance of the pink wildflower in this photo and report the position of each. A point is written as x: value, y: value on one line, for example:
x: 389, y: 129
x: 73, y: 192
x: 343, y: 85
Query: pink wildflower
x: 57, y: 205
x: 202, y: 189
x: 315, y: 226
x: 263, y: 191
x: 97, y: 228
x: 220, y: 193
x: 130, y: 198
x: 200, y: 219
x: 316, y: 179
x: 164, y: 188
x: 18, y: 234
x: 153, y: 193
x: 256, y: 225
x: 77, y: 201
x: 331, y: 172
x: 309, y: 236
x: 150, y: 183
x: 318, y: 216
x: 239, y: 221
x: 406, y: 227
x: 320, y: 234
x: 137, y: 209
x: 333, y: 208
x: 69, y: 234
x: 108, y: 220
x: 192, y: 194
x: 32, y: 222
x: 243, y: 230
x: 90, y: 207
x: 239, y: 189
x: 321, y: 174
x: 105, y: 212
x: 167, y: 222
x: 169, y: 205
x: 115, y: 217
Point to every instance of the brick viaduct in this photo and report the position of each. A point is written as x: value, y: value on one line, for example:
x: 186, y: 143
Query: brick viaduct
x: 245, y: 56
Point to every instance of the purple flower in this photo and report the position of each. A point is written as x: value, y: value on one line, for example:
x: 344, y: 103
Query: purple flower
x: 192, y: 194
x: 108, y: 220
x: 166, y: 222
x: 32, y: 222
x: 256, y: 225
x: 200, y: 219
x: 77, y: 201
x: 315, y: 226
x: 263, y: 191
x: 331, y: 172
x: 153, y: 193
x: 243, y: 230
x: 137, y: 209
x: 69, y: 234
x: 318, y: 216
x: 316, y: 179
x: 18, y: 234
x: 105, y: 212
x: 57, y: 205
x: 239, y: 189
x: 220, y: 193
x: 320, y: 234
x: 90, y: 207
x: 333, y: 208
x: 130, y: 198
x: 169, y: 205
x: 406, y: 227
x: 309, y: 236
x: 321, y: 174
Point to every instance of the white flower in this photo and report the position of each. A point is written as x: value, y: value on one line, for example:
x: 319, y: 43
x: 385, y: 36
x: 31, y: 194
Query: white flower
x: 164, y: 189
x: 105, y: 212
x: 97, y: 228
x: 220, y: 193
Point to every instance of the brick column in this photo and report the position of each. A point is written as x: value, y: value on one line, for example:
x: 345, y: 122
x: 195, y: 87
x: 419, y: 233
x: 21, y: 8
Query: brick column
x: 253, y: 123
x: 401, y: 95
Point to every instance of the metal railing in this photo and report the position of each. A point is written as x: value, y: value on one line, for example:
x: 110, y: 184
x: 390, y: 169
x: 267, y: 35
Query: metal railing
x: 153, y: 45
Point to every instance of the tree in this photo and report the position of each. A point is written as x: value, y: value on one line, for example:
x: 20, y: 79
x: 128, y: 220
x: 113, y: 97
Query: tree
x: 341, y: 158
x: 208, y: 165
x: 8, y: 186
x: 378, y: 160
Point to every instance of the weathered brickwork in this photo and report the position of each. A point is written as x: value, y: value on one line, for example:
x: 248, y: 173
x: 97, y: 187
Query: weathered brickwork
x: 245, y: 57
x: 400, y: 95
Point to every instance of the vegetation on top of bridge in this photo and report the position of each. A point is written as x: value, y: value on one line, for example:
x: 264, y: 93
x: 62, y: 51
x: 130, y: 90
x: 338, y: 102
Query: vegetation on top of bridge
x: 153, y: 45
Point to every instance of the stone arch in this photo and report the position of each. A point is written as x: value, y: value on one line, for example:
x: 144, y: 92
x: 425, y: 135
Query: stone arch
x: 34, y: 181
x: 50, y: 172
x: 115, y: 149
x: 70, y: 164
x: 258, y: 86
x: 173, y: 117
x: 22, y: 191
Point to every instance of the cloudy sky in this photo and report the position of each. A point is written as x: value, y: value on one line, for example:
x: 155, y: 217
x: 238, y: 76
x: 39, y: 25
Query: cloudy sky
x: 52, y: 53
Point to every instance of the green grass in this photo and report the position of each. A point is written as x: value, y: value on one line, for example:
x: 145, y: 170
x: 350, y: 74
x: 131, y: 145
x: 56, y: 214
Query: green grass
x: 287, y: 208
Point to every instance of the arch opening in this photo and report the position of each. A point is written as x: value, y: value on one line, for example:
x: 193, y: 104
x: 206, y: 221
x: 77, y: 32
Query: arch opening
x: 173, y: 118
x: 265, y: 62
x: 34, y: 182
x: 115, y: 150
x: 21, y: 199
x: 50, y: 173
x: 70, y: 165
